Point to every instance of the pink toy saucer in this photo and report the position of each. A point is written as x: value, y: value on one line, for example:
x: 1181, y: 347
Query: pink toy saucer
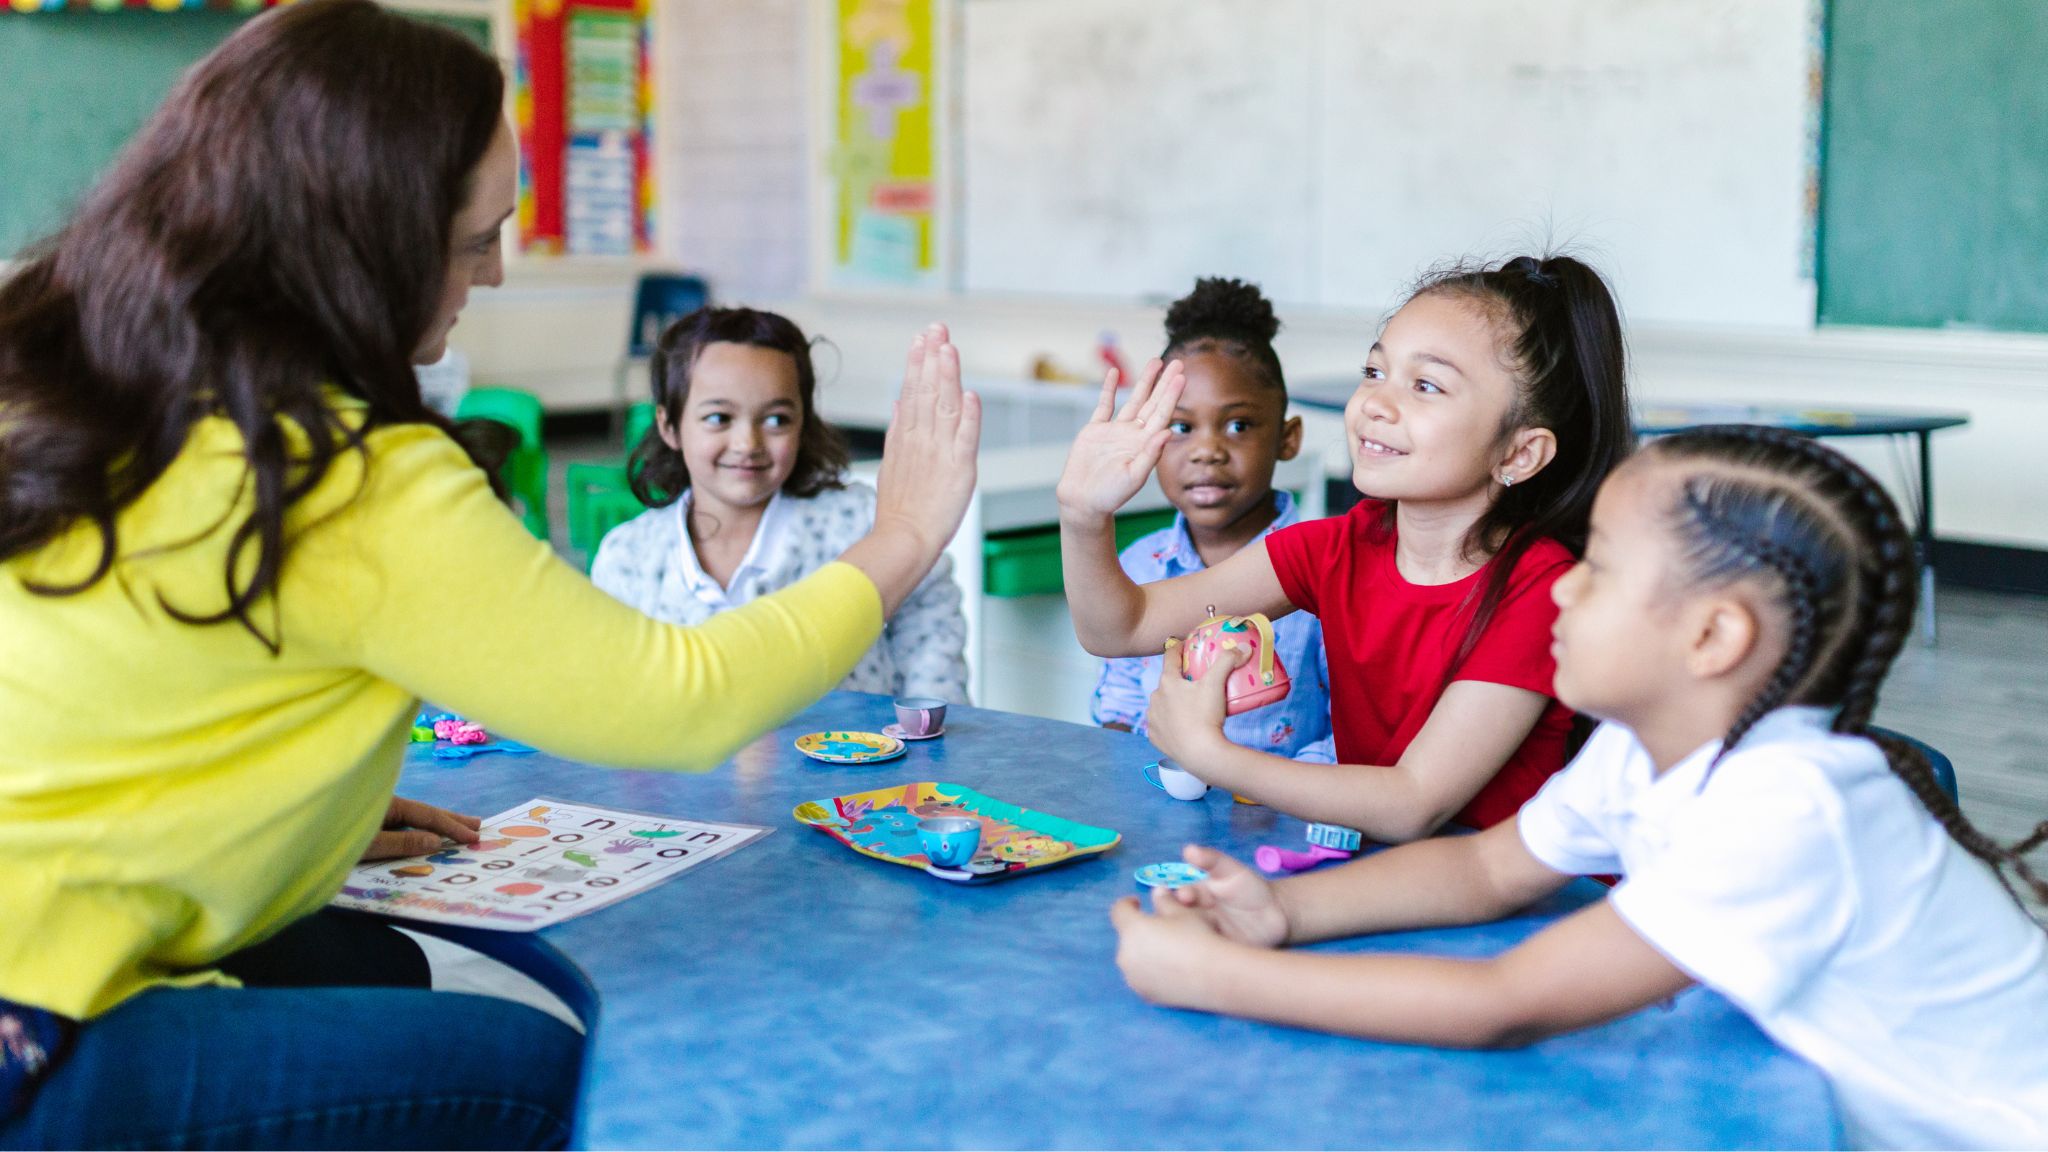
x: 897, y: 731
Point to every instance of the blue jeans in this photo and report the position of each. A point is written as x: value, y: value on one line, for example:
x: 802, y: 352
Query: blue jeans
x: 359, y: 1066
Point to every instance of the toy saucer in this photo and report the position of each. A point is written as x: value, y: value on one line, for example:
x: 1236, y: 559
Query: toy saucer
x: 1170, y: 874
x: 896, y: 732
x: 978, y: 869
x: 850, y: 747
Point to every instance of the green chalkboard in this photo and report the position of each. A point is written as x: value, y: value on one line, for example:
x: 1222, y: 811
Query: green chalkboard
x: 1934, y: 186
x: 78, y: 84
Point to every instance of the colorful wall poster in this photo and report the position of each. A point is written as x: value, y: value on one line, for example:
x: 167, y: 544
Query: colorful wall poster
x: 885, y: 143
x: 150, y: 5
x: 584, y: 102
x: 540, y: 863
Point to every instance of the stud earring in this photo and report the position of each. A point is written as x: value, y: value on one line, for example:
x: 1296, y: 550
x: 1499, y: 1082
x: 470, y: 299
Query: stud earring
x: 1507, y: 481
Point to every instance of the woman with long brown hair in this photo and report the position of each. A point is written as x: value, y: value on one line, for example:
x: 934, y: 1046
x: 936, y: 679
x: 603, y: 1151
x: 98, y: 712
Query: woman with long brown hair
x: 236, y: 548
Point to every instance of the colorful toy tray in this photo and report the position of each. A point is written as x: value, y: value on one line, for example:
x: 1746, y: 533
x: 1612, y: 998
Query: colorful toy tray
x: 882, y: 823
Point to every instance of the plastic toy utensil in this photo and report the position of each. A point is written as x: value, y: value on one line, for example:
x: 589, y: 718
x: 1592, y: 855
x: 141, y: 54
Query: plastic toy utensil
x: 1271, y: 859
x: 1335, y: 836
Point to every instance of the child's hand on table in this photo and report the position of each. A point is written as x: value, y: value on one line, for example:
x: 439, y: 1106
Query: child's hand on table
x: 1185, y: 719
x: 1238, y: 902
x: 1113, y: 456
x: 1169, y: 957
x: 412, y: 829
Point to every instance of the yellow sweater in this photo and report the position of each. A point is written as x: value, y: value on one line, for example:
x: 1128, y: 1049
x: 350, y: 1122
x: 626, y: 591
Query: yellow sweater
x: 170, y: 793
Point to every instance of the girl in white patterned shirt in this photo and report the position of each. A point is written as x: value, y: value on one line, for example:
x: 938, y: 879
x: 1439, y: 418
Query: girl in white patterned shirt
x: 746, y: 494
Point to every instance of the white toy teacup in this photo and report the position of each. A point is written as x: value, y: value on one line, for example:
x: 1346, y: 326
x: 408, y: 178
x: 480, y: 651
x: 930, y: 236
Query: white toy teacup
x: 1178, y: 782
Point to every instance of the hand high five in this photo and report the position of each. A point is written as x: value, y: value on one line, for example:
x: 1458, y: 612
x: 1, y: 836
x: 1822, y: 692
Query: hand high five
x: 929, y: 453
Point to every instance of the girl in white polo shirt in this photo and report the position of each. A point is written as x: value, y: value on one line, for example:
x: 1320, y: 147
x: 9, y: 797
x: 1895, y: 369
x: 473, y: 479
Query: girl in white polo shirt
x: 1742, y: 597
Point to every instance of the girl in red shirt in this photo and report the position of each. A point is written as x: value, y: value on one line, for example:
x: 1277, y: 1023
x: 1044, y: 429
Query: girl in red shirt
x: 1492, y: 406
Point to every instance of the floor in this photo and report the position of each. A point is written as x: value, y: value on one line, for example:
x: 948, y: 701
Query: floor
x: 1980, y: 694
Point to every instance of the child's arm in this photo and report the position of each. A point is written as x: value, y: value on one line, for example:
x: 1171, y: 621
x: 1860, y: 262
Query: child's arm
x: 1470, y: 733
x: 1109, y: 463
x: 1210, y: 947
x: 927, y: 638
x: 1584, y: 970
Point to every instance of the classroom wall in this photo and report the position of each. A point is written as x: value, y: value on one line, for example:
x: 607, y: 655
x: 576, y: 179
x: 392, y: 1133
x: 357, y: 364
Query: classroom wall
x: 548, y: 330
x: 735, y: 143
x: 739, y: 163
x: 1330, y: 148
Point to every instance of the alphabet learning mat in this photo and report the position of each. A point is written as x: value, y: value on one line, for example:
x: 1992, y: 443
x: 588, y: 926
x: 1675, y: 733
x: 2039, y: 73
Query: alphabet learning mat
x: 541, y: 863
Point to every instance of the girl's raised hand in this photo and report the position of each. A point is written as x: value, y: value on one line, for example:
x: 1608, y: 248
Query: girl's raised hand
x: 1113, y: 454
x: 1237, y: 902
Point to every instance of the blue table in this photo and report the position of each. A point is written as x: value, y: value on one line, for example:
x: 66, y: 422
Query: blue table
x: 1331, y: 395
x: 797, y: 994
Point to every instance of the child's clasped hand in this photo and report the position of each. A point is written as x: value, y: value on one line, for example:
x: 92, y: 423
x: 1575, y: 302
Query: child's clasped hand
x: 1186, y: 717
x: 1171, y: 955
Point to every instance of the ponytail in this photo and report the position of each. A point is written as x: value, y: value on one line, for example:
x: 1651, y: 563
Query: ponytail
x: 1563, y: 335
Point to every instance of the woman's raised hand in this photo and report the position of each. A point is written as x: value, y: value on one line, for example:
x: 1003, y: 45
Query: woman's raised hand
x: 930, y: 452
x: 1113, y: 454
x: 928, y: 470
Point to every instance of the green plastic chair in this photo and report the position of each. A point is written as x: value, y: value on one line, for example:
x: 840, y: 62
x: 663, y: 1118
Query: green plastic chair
x: 639, y: 418
x: 599, y: 501
x: 526, y: 471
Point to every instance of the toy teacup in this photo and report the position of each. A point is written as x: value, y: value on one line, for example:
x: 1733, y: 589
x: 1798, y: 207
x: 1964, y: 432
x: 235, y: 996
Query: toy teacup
x: 1257, y: 682
x: 949, y: 841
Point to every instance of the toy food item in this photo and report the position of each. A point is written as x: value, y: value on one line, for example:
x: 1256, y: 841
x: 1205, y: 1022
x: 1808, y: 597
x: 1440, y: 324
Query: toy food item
x: 1257, y: 682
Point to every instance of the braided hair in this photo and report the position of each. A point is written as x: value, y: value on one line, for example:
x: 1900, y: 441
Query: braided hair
x: 1830, y: 545
x: 1230, y: 318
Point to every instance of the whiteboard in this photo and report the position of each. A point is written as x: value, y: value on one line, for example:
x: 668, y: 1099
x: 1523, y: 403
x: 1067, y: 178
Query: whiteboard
x: 1333, y: 149
x: 1124, y: 147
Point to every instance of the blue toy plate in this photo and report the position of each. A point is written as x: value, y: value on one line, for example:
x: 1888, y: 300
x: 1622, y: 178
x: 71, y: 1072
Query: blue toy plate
x: 1170, y: 874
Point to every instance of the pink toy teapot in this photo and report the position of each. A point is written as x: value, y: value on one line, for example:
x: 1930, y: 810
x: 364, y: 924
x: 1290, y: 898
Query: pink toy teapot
x: 1257, y: 682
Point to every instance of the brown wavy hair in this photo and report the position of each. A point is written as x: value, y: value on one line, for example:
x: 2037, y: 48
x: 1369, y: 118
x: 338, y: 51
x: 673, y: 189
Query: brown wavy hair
x: 656, y: 471
x: 281, y: 224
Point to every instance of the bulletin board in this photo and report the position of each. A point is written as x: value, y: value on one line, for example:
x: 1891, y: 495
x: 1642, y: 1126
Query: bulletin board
x: 584, y: 95
x: 886, y: 196
x: 153, y: 5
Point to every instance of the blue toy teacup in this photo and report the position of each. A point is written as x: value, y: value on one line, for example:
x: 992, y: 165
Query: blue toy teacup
x: 949, y: 841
